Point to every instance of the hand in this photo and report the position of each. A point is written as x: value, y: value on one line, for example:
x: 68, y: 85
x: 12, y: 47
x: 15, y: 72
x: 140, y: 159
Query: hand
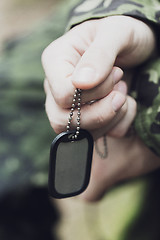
x: 85, y: 58
x: 127, y: 158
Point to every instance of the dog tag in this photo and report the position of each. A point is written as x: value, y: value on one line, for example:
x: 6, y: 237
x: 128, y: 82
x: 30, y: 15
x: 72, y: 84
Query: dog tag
x: 70, y: 163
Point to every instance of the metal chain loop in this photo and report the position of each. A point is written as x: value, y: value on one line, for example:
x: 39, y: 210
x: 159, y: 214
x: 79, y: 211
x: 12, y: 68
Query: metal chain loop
x: 76, y: 98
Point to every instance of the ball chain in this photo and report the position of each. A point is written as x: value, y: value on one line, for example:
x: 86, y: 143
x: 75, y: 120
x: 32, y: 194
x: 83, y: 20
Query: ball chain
x: 76, y: 97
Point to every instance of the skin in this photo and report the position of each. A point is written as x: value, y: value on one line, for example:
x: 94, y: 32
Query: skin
x: 76, y: 60
x: 119, y: 165
x: 91, y: 56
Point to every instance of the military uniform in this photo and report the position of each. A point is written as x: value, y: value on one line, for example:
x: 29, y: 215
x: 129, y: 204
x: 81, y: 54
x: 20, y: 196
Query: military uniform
x: 147, y: 91
x: 25, y: 134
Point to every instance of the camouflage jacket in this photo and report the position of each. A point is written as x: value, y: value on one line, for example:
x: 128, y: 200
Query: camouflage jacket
x: 147, y: 90
x: 25, y: 137
x: 25, y: 134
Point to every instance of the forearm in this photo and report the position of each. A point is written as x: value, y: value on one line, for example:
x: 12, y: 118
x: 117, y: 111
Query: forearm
x: 147, y: 11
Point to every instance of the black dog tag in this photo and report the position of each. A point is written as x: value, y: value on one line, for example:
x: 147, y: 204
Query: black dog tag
x: 70, y: 164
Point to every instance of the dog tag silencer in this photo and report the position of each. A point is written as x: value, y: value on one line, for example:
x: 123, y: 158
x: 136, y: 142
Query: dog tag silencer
x: 70, y: 163
x: 70, y: 157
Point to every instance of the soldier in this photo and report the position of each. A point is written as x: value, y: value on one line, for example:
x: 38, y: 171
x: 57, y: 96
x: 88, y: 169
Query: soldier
x: 95, y: 47
x: 25, y: 134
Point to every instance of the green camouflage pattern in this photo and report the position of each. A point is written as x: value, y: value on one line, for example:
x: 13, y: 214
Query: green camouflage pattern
x: 25, y: 134
x: 25, y: 138
x: 147, y: 122
x: 148, y: 10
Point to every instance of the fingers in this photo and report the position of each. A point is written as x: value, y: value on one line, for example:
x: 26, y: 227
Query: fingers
x: 60, y: 58
x: 101, y: 112
x: 123, y: 126
x: 94, y: 116
x: 121, y: 123
x: 111, y: 41
x: 85, y: 56
x: 104, y: 88
x: 57, y: 116
x: 65, y: 100
x: 64, y: 58
x: 122, y: 87
x: 97, y: 133
x: 59, y: 61
x: 97, y: 61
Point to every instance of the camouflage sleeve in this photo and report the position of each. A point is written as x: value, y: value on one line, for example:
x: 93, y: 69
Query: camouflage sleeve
x: 147, y: 94
x: 146, y: 10
x: 147, y: 122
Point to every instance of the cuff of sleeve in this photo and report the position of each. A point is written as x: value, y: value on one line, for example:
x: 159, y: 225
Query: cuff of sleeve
x: 146, y: 12
x: 84, y: 11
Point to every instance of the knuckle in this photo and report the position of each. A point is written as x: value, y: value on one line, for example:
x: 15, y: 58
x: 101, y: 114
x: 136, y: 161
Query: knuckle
x: 45, y: 54
x: 100, y: 119
x: 121, y: 132
x: 49, y: 51
x: 134, y: 106
x: 45, y: 86
x: 118, y: 133
x: 63, y: 99
x: 124, y: 109
x: 57, y: 126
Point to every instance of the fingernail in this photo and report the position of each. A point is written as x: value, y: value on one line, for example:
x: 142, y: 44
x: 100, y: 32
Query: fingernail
x: 85, y: 75
x: 118, y: 101
x: 117, y: 75
x: 121, y: 87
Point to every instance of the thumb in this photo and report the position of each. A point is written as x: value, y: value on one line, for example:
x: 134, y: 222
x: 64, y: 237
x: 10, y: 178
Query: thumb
x: 94, y: 67
x: 98, y: 60
x: 118, y: 39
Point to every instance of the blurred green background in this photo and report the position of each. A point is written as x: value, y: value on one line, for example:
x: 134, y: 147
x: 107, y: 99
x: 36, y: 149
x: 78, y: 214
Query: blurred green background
x: 26, y: 211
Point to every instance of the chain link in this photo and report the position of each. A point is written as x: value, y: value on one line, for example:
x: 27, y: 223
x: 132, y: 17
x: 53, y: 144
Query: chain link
x: 76, y: 98
x: 77, y: 102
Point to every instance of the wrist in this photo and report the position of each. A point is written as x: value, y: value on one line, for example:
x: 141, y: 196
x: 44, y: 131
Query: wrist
x: 147, y: 160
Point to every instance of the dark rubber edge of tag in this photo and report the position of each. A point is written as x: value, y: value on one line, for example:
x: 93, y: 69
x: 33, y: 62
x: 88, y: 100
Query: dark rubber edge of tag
x: 51, y: 187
